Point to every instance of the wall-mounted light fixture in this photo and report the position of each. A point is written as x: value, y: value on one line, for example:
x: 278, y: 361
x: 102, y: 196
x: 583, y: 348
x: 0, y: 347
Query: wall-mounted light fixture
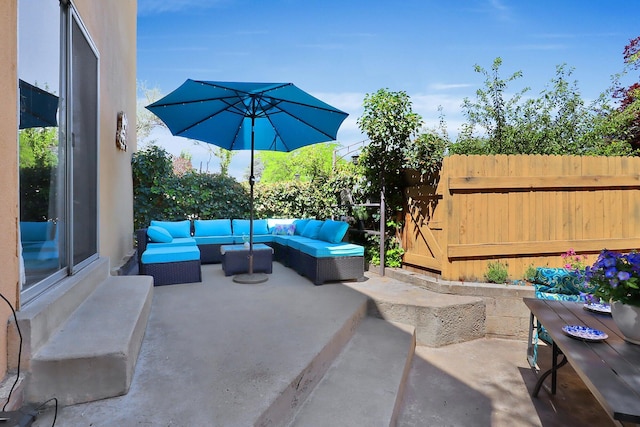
x: 121, y: 131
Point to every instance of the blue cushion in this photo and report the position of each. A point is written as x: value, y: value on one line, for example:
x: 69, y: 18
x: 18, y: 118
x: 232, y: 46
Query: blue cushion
x: 214, y: 240
x: 212, y: 227
x: 333, y: 231
x: 35, y: 231
x: 300, y: 225
x: 296, y: 242
x: 241, y: 226
x: 175, y: 228
x: 158, y: 234
x: 312, y: 229
x: 178, y: 241
x: 156, y: 255
x: 257, y: 238
x: 319, y: 249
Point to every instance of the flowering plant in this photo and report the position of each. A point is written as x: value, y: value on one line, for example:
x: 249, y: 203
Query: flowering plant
x: 616, y: 277
x: 573, y: 261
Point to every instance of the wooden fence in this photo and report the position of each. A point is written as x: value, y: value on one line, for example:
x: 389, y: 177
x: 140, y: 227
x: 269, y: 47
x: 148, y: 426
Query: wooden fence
x: 524, y: 211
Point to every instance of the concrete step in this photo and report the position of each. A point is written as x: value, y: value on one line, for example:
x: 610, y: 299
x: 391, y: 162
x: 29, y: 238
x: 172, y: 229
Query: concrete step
x: 439, y: 319
x: 364, y: 386
x: 92, y: 355
x: 42, y: 317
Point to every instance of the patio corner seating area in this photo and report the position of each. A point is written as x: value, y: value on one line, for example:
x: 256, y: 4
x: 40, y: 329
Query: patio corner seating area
x: 173, y: 251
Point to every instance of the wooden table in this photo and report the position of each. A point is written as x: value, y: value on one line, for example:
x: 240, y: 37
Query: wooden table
x: 610, y: 369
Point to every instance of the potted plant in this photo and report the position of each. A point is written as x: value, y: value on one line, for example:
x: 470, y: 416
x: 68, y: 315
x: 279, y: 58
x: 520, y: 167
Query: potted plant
x: 616, y: 279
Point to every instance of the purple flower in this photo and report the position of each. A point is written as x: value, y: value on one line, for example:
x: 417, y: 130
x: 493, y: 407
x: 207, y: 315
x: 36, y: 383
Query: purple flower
x: 623, y: 275
x: 610, y: 272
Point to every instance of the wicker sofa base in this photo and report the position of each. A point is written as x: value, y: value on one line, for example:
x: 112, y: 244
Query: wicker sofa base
x: 171, y: 273
x: 210, y: 253
x: 237, y: 262
x: 320, y: 270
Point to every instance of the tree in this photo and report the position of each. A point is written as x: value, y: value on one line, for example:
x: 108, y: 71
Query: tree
x: 557, y: 122
x: 390, y: 124
x: 310, y: 163
x: 146, y: 121
x: 491, y: 111
x: 629, y: 96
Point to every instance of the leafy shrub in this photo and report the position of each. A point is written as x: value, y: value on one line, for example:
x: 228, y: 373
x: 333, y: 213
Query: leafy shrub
x: 496, y: 272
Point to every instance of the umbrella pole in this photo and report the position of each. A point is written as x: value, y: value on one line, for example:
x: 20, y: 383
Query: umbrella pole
x: 251, y: 278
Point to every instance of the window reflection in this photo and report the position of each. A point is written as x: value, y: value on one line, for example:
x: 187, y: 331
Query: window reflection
x: 41, y: 152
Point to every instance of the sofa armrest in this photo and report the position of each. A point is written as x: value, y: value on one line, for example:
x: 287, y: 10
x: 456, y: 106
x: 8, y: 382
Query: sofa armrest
x: 142, y: 239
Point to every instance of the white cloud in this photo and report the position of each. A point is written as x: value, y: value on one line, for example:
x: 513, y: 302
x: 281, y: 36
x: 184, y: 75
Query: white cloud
x: 149, y: 7
x: 448, y: 86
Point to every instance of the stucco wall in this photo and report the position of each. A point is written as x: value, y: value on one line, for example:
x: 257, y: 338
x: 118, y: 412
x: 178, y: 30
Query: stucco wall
x: 112, y: 27
x: 9, y: 276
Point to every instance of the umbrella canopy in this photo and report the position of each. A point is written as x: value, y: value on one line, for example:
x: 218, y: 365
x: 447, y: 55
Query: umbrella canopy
x: 38, y: 108
x: 248, y: 116
x: 282, y: 116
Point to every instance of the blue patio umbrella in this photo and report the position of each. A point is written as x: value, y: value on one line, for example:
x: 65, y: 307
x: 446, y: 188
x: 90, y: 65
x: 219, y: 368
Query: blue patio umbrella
x: 248, y: 116
x: 38, y: 108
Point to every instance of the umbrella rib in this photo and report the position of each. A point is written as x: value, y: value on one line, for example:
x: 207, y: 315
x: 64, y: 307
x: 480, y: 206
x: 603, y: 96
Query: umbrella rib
x: 275, y: 103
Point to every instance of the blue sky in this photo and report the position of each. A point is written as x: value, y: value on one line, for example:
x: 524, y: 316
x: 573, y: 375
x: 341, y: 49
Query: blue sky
x: 341, y: 50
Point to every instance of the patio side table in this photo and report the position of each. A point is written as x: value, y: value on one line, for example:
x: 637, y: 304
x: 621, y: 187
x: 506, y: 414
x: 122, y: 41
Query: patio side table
x: 235, y: 259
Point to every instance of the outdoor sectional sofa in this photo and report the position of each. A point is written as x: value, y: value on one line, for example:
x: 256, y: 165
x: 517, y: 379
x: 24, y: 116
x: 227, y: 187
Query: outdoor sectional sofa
x: 313, y: 248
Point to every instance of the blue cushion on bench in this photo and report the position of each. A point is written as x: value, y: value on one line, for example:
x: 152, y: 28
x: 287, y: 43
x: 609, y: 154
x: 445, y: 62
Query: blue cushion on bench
x: 257, y: 238
x: 333, y: 231
x: 158, y: 234
x: 212, y: 227
x: 312, y: 229
x: 178, y: 241
x: 154, y: 255
x: 296, y: 242
x: 214, y: 240
x: 175, y: 228
x: 320, y: 249
x: 241, y: 226
x: 300, y: 225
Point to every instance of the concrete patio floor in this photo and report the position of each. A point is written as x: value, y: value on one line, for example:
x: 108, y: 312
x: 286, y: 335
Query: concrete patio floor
x: 218, y: 353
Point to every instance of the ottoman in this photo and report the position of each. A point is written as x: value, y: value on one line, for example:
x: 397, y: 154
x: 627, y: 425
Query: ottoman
x: 235, y: 259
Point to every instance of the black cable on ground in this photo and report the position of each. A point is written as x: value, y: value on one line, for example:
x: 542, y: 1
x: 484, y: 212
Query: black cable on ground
x: 15, y: 318
x: 55, y: 413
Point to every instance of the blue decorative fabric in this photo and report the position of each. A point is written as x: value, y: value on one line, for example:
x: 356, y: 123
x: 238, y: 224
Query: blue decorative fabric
x: 212, y: 227
x: 158, y: 234
x: 333, y: 231
x: 558, y: 281
x: 284, y: 230
x: 175, y: 228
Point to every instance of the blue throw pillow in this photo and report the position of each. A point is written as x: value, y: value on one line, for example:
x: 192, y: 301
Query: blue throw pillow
x: 312, y: 229
x: 159, y: 235
x: 283, y: 230
x: 175, y: 228
x: 212, y: 227
x: 333, y: 231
